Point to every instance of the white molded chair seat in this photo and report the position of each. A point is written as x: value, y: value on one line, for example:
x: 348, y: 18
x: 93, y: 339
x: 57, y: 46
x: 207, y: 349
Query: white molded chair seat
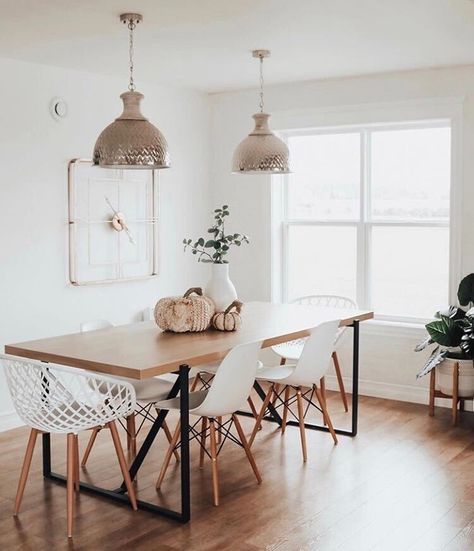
x: 292, y: 350
x: 305, y: 373
x: 230, y: 387
x: 277, y: 373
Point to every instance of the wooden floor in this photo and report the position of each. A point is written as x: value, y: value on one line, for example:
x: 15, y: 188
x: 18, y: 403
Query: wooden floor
x: 405, y: 483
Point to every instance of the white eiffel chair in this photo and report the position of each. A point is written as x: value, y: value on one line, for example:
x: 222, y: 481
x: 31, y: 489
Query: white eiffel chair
x: 302, y: 377
x: 230, y: 388
x: 291, y: 351
x: 61, y: 400
x: 147, y: 392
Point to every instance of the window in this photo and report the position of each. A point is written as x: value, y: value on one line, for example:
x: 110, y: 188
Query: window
x: 366, y: 215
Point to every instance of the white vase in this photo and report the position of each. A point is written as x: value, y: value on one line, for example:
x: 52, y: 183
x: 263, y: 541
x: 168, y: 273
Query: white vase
x: 220, y: 288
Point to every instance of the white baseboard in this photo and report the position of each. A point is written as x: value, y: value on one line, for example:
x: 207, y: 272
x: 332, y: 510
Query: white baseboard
x: 391, y: 391
x: 9, y: 420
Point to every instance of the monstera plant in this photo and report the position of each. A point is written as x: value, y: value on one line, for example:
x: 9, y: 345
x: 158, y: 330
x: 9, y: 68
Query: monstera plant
x: 452, y: 331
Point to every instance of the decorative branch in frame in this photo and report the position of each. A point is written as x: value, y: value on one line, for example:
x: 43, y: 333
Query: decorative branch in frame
x: 113, y: 224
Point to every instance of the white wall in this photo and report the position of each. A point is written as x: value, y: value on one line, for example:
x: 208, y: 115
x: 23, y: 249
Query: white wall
x: 388, y: 364
x: 35, y: 297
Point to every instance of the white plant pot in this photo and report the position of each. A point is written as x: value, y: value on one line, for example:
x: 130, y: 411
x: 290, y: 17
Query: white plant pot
x: 220, y: 288
x: 444, y: 377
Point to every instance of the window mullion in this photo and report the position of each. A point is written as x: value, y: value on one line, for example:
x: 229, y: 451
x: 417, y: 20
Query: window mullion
x: 362, y: 264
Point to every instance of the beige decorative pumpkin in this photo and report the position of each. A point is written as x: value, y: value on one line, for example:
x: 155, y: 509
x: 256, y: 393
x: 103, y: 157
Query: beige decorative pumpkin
x: 230, y: 319
x: 191, y: 312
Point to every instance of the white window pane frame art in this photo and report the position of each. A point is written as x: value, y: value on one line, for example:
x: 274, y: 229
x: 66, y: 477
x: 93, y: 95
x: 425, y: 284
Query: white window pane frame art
x: 113, y: 224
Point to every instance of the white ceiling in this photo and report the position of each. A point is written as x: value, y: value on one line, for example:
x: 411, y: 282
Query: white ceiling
x: 205, y: 44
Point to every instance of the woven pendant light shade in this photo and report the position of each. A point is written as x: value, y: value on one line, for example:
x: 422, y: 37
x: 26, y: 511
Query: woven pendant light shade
x: 131, y: 141
x: 261, y: 151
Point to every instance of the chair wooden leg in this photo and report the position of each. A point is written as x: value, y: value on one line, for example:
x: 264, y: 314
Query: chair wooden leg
x: 431, y: 410
x: 169, y: 452
x: 25, y: 469
x: 203, y: 442
x: 92, y: 438
x: 285, y: 409
x: 455, y: 393
x: 71, y: 475
x: 169, y: 438
x: 299, y: 400
x: 322, y: 403
x: 258, y: 422
x: 215, y: 472
x: 253, y: 409
x: 123, y: 464
x: 322, y: 386
x: 131, y: 435
x: 245, y: 445
x: 340, y: 381
x: 76, y: 464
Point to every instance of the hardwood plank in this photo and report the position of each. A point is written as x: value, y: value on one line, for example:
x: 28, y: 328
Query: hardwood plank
x: 405, y: 482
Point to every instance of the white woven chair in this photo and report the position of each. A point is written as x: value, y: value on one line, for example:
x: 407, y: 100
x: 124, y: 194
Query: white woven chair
x: 57, y: 399
x: 291, y: 351
x: 147, y: 392
x: 301, y: 377
x: 230, y: 388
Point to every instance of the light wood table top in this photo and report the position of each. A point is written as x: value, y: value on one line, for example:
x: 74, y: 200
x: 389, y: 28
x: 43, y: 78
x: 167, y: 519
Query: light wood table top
x: 141, y: 350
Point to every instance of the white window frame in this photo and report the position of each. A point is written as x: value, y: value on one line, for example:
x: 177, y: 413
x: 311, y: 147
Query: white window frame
x: 281, y: 223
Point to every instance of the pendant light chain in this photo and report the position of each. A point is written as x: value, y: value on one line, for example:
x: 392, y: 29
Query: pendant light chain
x: 261, y: 84
x: 131, y: 28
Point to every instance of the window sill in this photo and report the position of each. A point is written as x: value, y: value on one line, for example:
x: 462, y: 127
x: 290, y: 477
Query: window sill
x: 396, y: 329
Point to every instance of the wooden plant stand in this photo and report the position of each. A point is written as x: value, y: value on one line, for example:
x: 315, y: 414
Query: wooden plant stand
x: 438, y: 394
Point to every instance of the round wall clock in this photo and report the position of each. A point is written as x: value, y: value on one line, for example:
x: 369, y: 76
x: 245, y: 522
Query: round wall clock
x: 113, y: 224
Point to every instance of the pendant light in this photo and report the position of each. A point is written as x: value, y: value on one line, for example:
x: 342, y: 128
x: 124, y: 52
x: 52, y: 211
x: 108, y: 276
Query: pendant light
x: 261, y: 152
x: 131, y: 141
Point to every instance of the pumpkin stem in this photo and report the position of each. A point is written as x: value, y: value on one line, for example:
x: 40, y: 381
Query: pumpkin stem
x: 236, y: 304
x: 196, y: 290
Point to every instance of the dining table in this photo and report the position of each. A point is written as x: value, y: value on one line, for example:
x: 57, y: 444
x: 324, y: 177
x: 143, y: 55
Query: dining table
x: 141, y: 350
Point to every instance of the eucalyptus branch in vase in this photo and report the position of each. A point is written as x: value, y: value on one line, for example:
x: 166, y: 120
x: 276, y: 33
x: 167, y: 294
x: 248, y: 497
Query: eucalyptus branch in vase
x: 215, y: 249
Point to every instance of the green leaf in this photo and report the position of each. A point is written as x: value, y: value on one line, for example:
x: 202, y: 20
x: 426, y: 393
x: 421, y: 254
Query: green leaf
x: 445, y: 331
x: 200, y: 241
x: 217, y: 245
x: 466, y: 290
x: 209, y: 243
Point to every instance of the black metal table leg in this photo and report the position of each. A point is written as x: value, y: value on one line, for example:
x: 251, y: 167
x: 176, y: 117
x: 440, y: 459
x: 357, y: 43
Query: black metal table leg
x: 274, y: 417
x: 185, y: 467
x: 46, y: 454
x: 355, y: 378
x: 119, y: 495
